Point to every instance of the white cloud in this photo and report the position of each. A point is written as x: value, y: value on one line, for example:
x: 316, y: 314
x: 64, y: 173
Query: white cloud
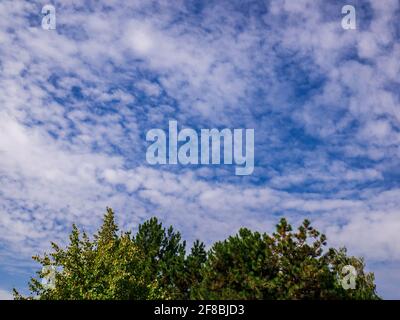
x: 5, y: 295
x: 151, y: 89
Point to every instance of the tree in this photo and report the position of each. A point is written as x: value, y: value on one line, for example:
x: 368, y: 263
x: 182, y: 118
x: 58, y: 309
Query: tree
x: 153, y: 264
x: 193, y: 269
x: 110, y: 267
x: 238, y: 268
x: 286, y: 265
x: 165, y: 254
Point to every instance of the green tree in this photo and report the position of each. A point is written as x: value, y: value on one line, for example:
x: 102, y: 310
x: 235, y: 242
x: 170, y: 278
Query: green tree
x: 285, y: 265
x: 238, y: 268
x: 165, y: 253
x: 193, y: 269
x: 153, y: 264
x: 109, y: 267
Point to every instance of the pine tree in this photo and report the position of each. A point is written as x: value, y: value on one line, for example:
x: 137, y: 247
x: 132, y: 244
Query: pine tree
x: 286, y: 265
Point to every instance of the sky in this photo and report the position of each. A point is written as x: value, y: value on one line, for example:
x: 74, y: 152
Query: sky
x: 76, y: 104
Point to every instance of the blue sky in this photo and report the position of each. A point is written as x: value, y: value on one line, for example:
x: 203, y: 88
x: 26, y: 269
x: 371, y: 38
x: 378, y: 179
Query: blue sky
x: 76, y: 103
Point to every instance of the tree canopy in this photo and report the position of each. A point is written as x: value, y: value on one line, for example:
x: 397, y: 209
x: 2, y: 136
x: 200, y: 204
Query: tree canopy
x: 154, y: 264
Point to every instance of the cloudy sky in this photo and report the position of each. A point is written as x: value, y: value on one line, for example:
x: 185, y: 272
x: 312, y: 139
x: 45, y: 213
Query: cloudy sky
x: 76, y: 103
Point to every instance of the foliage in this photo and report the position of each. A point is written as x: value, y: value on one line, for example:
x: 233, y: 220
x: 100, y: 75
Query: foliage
x: 165, y: 255
x: 153, y: 264
x: 286, y: 265
x: 109, y: 267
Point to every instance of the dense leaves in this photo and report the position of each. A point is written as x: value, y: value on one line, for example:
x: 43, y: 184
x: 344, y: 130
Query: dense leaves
x: 286, y: 265
x: 154, y: 264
